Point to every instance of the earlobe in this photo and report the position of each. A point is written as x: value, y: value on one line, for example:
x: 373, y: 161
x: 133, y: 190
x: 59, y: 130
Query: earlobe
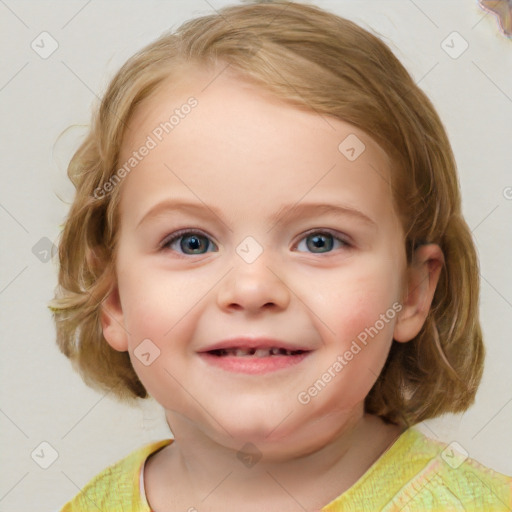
x: 422, y: 278
x: 112, y: 321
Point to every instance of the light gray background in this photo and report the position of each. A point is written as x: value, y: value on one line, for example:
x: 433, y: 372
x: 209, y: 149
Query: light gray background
x: 42, y: 399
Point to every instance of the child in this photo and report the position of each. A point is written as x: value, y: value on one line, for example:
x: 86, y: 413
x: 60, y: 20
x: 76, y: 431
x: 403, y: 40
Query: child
x: 267, y: 238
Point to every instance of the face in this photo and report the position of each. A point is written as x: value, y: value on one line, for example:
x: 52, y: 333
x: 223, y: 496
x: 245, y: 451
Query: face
x: 250, y: 226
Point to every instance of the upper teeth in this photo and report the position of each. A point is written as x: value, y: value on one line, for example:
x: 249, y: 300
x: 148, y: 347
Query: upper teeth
x: 257, y: 352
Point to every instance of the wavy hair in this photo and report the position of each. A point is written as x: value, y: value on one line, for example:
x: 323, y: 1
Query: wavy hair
x: 320, y: 62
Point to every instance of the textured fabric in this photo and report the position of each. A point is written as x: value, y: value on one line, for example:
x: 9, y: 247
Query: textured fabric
x: 116, y: 488
x: 418, y: 474
x: 415, y: 474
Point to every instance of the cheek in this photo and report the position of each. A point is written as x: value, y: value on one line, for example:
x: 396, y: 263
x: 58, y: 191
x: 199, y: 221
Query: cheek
x: 367, y: 307
x: 358, y: 298
x: 155, y: 302
x: 156, y: 346
x: 159, y: 315
x: 366, y: 333
x: 360, y: 313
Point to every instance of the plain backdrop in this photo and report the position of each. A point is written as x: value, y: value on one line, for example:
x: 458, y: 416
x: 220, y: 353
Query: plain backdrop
x: 45, y: 96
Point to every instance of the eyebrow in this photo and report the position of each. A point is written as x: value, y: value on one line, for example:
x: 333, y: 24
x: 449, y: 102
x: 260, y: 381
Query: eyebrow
x: 301, y: 209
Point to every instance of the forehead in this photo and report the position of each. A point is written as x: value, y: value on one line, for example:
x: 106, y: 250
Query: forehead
x: 242, y: 138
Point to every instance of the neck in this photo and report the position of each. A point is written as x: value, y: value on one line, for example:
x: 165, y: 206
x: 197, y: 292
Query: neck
x: 268, y: 478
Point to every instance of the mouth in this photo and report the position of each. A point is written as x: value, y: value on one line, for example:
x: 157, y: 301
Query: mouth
x: 254, y: 352
x: 253, y: 357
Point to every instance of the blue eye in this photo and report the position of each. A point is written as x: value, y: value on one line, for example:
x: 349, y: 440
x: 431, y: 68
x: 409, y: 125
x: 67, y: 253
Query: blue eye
x: 323, y: 241
x: 194, y: 241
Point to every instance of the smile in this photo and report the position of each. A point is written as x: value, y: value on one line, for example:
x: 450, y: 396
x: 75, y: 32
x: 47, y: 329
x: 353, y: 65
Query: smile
x: 254, y: 360
x: 255, y: 352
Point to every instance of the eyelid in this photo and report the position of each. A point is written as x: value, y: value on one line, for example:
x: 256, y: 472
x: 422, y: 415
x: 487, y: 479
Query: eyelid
x: 336, y: 234
x: 342, y: 237
x: 171, y: 237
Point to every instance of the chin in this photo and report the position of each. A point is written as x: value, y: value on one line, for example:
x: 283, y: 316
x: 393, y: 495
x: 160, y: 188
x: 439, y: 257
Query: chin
x: 272, y: 434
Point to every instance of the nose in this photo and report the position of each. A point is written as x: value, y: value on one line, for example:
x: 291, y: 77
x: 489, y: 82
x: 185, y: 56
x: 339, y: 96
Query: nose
x: 252, y: 287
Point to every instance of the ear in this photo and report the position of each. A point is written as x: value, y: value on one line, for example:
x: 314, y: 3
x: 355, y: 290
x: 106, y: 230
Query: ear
x: 112, y: 321
x: 422, y: 278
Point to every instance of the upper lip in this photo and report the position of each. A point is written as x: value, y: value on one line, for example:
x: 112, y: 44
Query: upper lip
x: 252, y: 342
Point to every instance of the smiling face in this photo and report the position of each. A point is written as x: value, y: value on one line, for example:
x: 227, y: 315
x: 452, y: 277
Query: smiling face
x: 248, y: 219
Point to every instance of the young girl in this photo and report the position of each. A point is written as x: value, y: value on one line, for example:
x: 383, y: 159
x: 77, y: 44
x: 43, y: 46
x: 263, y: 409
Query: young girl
x: 267, y: 238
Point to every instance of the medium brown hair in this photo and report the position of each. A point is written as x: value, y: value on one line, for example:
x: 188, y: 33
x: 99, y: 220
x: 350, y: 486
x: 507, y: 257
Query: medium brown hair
x: 323, y: 63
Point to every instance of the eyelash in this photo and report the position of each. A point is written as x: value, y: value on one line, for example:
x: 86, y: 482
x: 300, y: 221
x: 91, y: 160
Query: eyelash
x: 164, y: 246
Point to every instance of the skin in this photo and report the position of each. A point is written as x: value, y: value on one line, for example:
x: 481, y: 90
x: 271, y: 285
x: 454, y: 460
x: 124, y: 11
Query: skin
x: 245, y: 153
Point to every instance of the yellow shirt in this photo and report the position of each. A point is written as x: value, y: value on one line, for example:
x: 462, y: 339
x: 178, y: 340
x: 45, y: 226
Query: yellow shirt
x: 415, y: 474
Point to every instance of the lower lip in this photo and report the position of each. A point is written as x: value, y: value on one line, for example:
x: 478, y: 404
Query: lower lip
x: 253, y: 365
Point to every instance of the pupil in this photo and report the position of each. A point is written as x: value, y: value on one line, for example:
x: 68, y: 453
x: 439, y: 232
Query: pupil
x: 194, y: 243
x: 318, y: 242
